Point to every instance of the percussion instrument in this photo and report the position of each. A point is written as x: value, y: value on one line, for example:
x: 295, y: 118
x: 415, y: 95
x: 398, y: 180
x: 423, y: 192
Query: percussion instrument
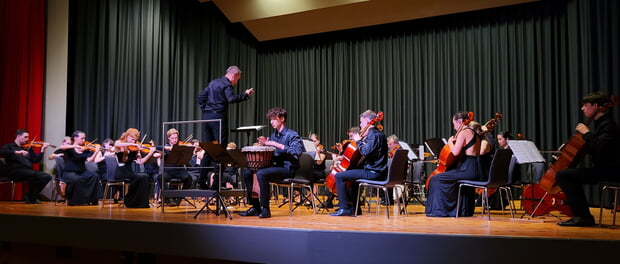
x: 257, y: 157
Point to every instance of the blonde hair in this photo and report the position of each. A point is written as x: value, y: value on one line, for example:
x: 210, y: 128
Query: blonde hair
x: 231, y: 145
x: 172, y: 131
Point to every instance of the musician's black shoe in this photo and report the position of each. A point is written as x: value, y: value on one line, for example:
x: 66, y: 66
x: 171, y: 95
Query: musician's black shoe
x: 265, y: 213
x: 251, y: 212
x: 579, y: 221
x: 343, y: 212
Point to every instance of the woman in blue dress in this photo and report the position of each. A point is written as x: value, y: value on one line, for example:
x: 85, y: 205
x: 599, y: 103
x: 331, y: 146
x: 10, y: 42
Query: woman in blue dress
x: 443, y: 187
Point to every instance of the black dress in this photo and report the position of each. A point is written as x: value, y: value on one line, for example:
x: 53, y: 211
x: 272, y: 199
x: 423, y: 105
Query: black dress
x: 83, y: 186
x: 139, y: 190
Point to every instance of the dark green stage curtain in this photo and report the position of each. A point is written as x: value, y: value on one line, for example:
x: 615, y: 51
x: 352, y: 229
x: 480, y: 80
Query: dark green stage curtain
x: 530, y: 62
x: 138, y: 63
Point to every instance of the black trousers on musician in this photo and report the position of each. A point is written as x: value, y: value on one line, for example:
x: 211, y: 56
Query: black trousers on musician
x: 572, y: 180
x: 36, y: 181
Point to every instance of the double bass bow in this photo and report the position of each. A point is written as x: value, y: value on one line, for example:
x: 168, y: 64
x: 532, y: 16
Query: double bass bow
x: 351, y: 155
x: 447, y: 160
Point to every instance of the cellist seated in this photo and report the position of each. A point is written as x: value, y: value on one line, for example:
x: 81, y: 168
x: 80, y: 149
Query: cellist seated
x: 371, y: 144
x: 443, y: 187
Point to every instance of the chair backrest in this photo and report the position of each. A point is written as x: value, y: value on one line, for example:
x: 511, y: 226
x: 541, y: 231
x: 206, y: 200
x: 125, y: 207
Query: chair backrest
x: 499, y: 172
x: 397, y: 167
x: 305, y: 167
x: 59, y: 167
x: 110, y: 163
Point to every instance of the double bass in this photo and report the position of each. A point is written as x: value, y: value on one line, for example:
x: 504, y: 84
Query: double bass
x: 350, y: 155
x: 447, y: 160
x: 570, y: 153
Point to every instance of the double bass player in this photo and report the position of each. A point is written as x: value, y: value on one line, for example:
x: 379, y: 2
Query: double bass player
x: 602, y: 142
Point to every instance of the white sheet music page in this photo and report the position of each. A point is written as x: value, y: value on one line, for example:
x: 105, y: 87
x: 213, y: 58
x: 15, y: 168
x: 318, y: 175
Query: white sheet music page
x: 309, y: 145
x: 410, y: 153
x: 525, y: 151
x: 256, y: 128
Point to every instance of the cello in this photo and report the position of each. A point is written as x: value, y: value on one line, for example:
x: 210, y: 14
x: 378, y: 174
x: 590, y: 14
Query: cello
x: 570, y: 153
x: 351, y: 155
x: 447, y: 160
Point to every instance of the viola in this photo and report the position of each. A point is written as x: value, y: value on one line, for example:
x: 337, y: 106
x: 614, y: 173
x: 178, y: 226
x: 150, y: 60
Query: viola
x: 570, y: 153
x: 36, y: 144
x: 447, y: 160
x: 393, y: 151
x: 350, y: 155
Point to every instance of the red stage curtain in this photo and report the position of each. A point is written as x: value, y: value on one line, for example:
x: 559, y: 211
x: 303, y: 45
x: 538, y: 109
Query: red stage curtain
x: 22, y: 66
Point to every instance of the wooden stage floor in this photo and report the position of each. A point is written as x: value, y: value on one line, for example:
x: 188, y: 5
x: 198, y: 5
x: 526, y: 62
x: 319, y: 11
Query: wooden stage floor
x: 470, y: 232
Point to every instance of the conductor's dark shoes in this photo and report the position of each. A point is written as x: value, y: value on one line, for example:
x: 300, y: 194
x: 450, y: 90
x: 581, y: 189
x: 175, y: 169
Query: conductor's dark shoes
x: 251, y: 212
x: 342, y: 212
x: 578, y: 221
x: 266, y: 213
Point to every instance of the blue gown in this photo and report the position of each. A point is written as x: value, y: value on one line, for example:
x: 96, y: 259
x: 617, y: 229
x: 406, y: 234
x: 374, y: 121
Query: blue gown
x: 443, y: 189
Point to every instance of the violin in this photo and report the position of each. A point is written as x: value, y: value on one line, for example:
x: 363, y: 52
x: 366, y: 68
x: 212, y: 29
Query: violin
x: 36, y: 144
x: 90, y: 146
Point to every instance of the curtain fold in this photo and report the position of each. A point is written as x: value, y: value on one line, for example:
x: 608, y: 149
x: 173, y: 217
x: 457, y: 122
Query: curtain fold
x: 138, y: 63
x: 22, y: 66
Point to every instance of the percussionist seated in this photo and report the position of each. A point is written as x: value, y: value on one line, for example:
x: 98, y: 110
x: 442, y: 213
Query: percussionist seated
x: 288, y: 147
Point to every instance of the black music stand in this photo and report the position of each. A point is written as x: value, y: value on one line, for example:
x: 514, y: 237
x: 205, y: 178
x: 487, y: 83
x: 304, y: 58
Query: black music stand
x: 434, y: 145
x: 221, y: 156
x: 248, y: 131
x: 526, y: 152
x: 178, y: 157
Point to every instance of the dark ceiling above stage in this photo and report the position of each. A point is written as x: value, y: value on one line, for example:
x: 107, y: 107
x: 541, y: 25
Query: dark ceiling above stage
x: 275, y: 19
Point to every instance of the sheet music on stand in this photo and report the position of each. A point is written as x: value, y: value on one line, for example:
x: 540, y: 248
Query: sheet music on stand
x: 309, y: 145
x: 525, y: 151
x: 410, y: 154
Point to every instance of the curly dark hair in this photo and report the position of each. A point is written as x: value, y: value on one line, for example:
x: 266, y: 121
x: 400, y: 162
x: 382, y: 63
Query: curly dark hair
x: 276, y: 112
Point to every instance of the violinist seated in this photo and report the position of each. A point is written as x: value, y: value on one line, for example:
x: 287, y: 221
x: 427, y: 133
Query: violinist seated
x: 127, y: 152
x: 337, y: 158
x: 83, y: 185
x: 372, y: 144
x: 60, y: 153
x: 196, y: 160
x: 106, y: 150
x: 19, y: 157
x: 175, y: 173
x: 229, y: 176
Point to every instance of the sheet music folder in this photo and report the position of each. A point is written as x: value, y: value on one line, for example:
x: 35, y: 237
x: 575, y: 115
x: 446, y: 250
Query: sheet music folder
x: 525, y: 151
x: 218, y: 153
x: 179, y: 155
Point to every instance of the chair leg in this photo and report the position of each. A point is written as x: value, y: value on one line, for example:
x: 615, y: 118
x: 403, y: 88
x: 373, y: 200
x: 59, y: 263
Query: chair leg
x: 12, y: 191
x: 615, y: 206
x: 386, y: 195
x: 485, y: 205
x: 357, y: 201
x: 458, y: 201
